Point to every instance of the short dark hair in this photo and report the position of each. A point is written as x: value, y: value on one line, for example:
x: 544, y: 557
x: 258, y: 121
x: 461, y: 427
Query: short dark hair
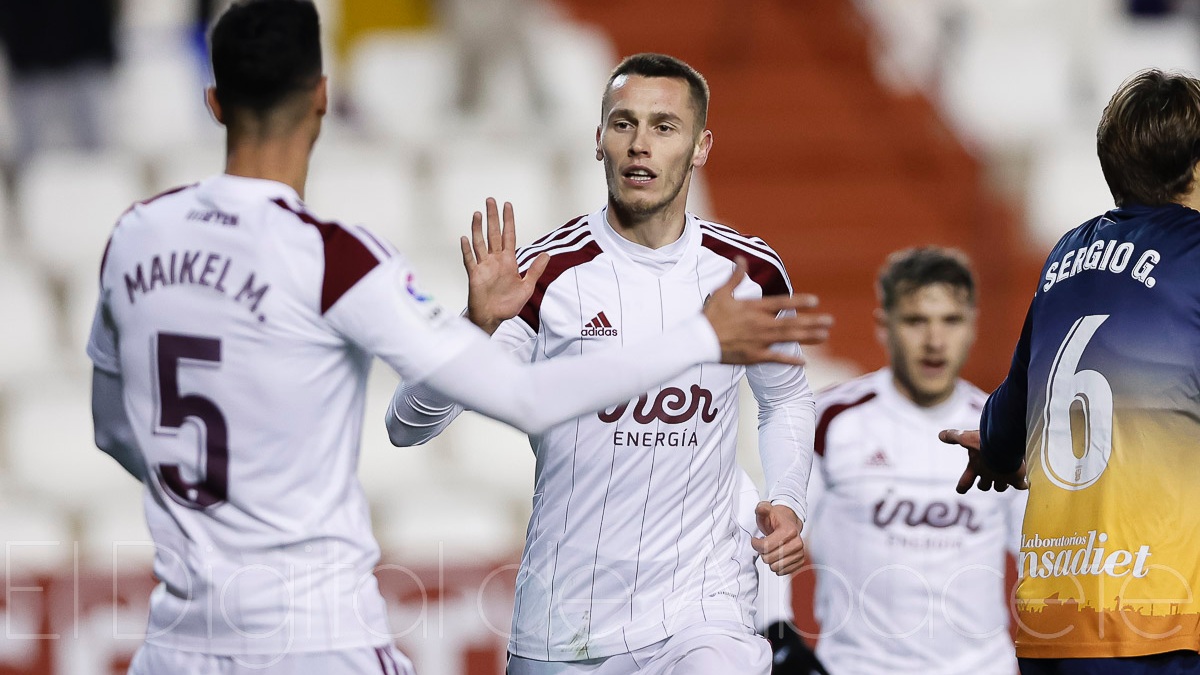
x: 1149, y: 138
x: 914, y: 268
x: 263, y: 51
x: 649, y: 64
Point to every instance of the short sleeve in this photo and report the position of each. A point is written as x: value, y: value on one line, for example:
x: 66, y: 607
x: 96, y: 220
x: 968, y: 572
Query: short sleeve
x: 102, y: 342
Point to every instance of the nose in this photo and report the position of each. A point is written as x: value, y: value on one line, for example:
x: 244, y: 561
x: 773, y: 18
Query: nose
x: 935, y: 338
x: 639, y: 144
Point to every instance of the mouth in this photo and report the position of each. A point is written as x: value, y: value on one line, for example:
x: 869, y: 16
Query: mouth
x: 638, y: 175
x: 931, y: 366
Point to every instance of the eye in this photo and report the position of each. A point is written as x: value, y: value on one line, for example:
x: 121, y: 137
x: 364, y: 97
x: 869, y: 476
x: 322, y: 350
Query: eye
x: 665, y: 128
x: 622, y: 125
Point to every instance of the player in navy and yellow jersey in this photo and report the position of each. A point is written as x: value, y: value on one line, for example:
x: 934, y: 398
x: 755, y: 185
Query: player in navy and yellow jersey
x: 1100, y: 413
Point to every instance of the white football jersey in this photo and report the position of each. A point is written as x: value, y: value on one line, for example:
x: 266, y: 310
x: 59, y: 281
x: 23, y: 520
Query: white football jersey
x: 243, y: 328
x: 910, y: 574
x: 634, y: 533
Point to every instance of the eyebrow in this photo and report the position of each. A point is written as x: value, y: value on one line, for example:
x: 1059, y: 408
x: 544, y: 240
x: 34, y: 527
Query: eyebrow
x: 654, y: 117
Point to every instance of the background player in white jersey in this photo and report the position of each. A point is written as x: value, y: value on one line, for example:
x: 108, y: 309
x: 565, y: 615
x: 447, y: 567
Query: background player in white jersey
x: 634, y: 559
x: 910, y: 576
x: 232, y: 342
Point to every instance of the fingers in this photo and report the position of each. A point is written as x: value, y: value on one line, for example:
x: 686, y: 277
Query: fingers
x: 535, y: 270
x: 467, y: 254
x: 739, y: 273
x: 477, y: 240
x: 762, y: 513
x: 967, y: 439
x: 494, y: 238
x: 966, y: 480
x: 783, y: 558
x: 508, y: 239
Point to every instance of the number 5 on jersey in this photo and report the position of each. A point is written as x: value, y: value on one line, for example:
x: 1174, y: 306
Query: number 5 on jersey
x: 175, y: 351
x: 1077, y: 440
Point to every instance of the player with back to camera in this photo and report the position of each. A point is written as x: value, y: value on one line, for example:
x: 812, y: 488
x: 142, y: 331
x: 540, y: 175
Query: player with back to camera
x: 634, y: 560
x: 910, y: 576
x: 231, y: 344
x: 1100, y: 412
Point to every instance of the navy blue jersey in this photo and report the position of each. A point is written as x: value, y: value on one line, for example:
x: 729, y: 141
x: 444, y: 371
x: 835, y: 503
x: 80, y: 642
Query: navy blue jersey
x: 1101, y: 401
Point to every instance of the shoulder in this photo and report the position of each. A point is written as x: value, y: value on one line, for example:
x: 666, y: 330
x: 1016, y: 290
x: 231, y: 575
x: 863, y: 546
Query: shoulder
x: 138, y: 210
x: 837, y: 400
x: 349, y: 253
x: 765, y: 266
x: 568, y: 246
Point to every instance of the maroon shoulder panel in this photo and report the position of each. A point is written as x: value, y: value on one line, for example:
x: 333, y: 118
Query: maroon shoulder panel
x: 760, y: 271
x: 559, y: 263
x: 346, y: 258
x: 827, y: 417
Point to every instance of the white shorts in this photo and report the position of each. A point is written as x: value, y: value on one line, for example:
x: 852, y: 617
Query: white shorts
x: 713, y: 648
x: 155, y: 660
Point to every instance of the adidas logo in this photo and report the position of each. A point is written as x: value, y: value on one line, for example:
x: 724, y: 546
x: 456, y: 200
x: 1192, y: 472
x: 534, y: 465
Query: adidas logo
x: 599, y: 325
x: 878, y: 459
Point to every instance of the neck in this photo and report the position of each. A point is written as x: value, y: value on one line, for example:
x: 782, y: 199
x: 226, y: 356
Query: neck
x: 652, y: 230
x: 919, y: 399
x: 283, y: 159
x: 1191, y: 200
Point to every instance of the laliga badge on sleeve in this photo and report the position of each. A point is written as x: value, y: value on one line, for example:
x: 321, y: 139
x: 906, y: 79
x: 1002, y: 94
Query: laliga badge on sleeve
x: 424, y: 303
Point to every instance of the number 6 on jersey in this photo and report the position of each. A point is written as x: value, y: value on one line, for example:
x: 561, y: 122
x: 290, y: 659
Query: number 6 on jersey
x: 213, y: 465
x: 1077, y: 402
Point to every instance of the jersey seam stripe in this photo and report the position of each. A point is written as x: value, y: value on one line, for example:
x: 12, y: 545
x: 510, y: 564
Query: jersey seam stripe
x: 637, y: 566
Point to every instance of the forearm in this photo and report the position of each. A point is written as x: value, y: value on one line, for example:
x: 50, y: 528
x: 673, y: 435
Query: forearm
x: 785, y: 445
x: 113, y: 433
x: 786, y: 423
x: 535, y: 397
x: 1002, y: 426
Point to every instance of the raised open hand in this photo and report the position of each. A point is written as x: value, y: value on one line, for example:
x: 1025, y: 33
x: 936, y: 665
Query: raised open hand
x: 496, y: 290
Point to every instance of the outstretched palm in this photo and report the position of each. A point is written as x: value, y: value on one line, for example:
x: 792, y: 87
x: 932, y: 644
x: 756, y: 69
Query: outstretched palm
x: 496, y: 290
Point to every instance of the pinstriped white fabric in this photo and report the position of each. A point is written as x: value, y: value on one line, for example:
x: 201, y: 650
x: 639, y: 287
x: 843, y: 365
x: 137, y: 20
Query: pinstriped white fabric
x: 633, y: 535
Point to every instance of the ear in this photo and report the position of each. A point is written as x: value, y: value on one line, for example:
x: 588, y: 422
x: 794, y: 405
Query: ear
x: 881, y: 326
x: 703, y: 147
x: 214, y: 106
x: 599, y: 149
x: 321, y: 96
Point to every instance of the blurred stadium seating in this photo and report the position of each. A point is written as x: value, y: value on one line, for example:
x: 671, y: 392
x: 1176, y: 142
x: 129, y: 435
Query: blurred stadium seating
x: 826, y: 143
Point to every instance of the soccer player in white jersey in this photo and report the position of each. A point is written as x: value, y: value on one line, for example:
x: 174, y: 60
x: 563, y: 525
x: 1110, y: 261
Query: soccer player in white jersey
x: 634, y: 560
x: 910, y: 576
x: 231, y: 345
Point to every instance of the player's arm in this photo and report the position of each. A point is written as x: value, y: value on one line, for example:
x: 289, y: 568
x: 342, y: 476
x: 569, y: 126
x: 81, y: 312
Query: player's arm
x: 382, y: 314
x: 114, y: 433
x: 419, y: 413
x: 786, y: 423
x: 996, y: 452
